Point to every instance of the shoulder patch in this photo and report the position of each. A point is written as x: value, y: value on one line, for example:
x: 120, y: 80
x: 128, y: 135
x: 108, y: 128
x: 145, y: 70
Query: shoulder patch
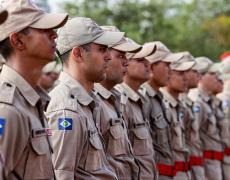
x: 65, y: 123
x: 2, y: 125
x: 196, y: 109
x: 225, y: 104
x: 181, y: 115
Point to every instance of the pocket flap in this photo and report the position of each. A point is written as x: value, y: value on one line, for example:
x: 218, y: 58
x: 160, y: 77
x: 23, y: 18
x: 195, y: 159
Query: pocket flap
x: 40, y: 145
x: 116, y: 131
x: 161, y: 123
x: 95, y: 141
x: 141, y: 133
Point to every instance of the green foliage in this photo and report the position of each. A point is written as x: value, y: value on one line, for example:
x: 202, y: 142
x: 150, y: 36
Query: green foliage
x: 199, y: 26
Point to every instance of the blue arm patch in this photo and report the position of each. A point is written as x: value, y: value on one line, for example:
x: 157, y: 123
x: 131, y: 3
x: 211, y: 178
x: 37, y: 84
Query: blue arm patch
x: 2, y: 125
x: 225, y: 104
x: 196, y: 109
x: 65, y: 123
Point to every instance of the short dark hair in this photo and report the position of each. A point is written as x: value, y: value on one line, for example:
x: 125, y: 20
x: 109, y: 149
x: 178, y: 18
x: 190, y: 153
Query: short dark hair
x: 86, y: 47
x: 64, y: 57
x: 5, y: 47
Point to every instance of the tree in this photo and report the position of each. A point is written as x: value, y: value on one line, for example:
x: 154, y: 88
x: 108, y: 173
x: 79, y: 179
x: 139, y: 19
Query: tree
x: 181, y: 26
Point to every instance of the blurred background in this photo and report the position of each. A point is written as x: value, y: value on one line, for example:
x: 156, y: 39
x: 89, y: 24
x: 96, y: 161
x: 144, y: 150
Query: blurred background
x: 199, y: 26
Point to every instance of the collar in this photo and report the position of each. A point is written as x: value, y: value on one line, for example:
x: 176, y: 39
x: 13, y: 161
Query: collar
x: 130, y: 93
x: 44, y: 96
x: 105, y: 93
x: 76, y: 89
x: 204, y: 95
x: 168, y: 97
x: 183, y: 97
x: 28, y: 92
x: 149, y: 90
x: 216, y: 100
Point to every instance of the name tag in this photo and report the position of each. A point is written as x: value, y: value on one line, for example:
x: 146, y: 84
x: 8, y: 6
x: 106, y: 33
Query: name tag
x: 41, y: 132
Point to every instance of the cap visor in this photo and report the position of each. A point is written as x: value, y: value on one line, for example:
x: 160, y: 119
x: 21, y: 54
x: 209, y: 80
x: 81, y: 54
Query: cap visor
x: 184, y: 66
x: 172, y: 57
x: 127, y: 47
x: 3, y: 16
x: 145, y: 52
x: 50, y: 21
x: 109, y: 38
x: 158, y: 56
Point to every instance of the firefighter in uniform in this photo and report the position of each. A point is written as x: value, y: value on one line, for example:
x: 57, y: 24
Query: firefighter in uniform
x: 27, y: 43
x: 110, y: 122
x: 78, y: 146
x: 205, y: 115
x: 160, y: 131
x: 175, y: 113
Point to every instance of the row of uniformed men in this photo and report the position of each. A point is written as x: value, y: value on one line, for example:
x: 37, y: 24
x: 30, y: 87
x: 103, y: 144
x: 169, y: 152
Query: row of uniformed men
x: 104, y: 123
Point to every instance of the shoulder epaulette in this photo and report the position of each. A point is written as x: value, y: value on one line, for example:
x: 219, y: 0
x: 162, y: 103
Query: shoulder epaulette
x: 124, y: 98
x: 7, y: 91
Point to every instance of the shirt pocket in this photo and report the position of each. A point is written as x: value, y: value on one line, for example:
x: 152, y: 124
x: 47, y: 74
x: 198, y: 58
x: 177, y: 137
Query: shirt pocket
x: 177, y: 136
x: 161, y: 130
x: 116, y: 144
x: 39, y: 164
x: 142, y: 144
x: 211, y: 124
x: 95, y: 152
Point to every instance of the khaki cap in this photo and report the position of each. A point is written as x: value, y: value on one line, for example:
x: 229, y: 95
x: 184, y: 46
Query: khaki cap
x: 225, y: 65
x: 181, y: 61
x: 125, y: 44
x: 161, y: 52
x: 146, y: 51
x: 52, y: 67
x: 81, y: 30
x: 172, y: 57
x: 22, y: 14
x: 204, y: 63
x: 224, y: 77
x: 184, y: 56
x: 3, y: 16
x: 214, y: 68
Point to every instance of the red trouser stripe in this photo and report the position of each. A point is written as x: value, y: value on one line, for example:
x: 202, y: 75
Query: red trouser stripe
x: 216, y: 155
x: 166, y: 170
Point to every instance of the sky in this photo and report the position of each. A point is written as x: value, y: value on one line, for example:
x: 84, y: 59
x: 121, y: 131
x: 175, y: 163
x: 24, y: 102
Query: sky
x: 55, y: 4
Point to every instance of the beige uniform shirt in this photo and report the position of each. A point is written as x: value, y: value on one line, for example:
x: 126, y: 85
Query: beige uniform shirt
x: 224, y: 107
x: 24, y: 141
x: 192, y: 126
x: 138, y: 130
x: 221, y: 109
x: 205, y: 115
x: 222, y: 121
x: 78, y: 147
x: 159, y: 126
x: 112, y: 127
x: 175, y: 115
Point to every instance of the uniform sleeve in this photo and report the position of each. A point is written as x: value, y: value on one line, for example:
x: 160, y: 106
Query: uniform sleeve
x: 198, y: 112
x: 68, y: 138
x: 14, y: 135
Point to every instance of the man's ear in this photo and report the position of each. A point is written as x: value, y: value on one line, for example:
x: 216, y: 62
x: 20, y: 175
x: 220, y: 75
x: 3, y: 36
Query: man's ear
x: 17, y: 41
x: 77, y: 53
